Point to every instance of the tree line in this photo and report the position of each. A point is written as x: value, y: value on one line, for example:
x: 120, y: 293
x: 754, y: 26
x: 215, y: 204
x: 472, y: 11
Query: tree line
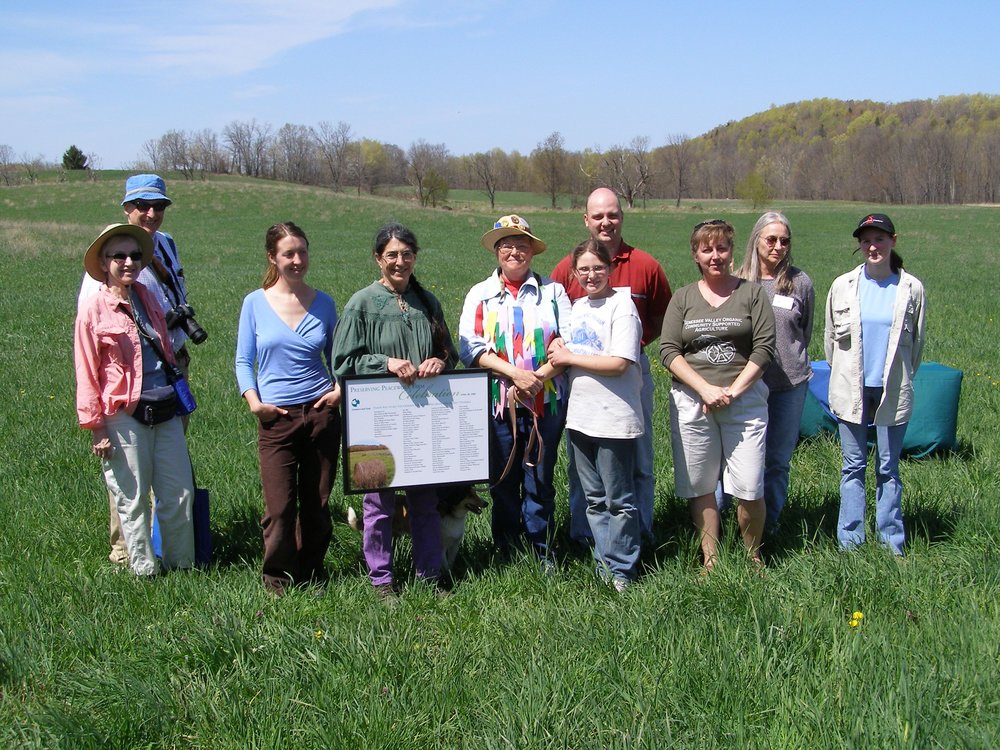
x: 945, y: 150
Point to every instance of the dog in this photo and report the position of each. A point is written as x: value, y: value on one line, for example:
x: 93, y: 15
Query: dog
x: 455, y: 502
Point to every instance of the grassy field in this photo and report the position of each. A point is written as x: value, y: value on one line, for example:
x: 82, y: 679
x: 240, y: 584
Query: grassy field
x: 91, y: 657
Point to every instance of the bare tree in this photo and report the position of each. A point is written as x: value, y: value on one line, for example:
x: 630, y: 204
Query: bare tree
x: 32, y: 166
x: 174, y: 153
x: 295, y: 151
x: 7, y: 163
x: 490, y: 169
x: 680, y: 155
x: 628, y: 169
x: 151, y: 150
x: 550, y: 162
x: 424, y: 158
x: 206, y: 154
x: 248, y: 144
x: 333, y: 142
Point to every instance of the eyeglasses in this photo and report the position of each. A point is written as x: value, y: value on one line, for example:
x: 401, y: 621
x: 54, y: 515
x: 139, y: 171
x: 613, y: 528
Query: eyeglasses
x: 772, y: 241
x: 135, y: 256
x: 144, y: 206
x: 406, y: 255
x: 587, y: 270
x: 509, y: 248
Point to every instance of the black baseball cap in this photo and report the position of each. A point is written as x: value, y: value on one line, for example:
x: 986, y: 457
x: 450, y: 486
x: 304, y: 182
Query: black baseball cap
x: 876, y: 221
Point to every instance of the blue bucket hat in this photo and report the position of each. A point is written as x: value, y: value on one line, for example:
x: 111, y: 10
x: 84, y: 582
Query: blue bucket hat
x: 145, y: 187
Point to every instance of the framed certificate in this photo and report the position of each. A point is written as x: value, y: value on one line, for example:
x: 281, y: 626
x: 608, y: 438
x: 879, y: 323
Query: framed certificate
x: 435, y: 431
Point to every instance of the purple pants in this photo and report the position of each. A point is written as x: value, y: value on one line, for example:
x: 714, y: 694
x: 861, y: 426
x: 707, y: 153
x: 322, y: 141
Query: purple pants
x: 425, y: 528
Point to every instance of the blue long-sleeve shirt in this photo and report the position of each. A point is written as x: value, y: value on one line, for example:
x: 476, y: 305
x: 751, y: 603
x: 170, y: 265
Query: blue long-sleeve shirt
x: 285, y: 366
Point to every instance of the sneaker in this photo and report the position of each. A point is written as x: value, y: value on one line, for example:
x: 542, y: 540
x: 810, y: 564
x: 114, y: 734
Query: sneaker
x: 620, y: 584
x: 385, y: 592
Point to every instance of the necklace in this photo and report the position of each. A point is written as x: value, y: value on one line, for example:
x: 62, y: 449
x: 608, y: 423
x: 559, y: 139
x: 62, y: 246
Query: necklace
x: 403, y: 306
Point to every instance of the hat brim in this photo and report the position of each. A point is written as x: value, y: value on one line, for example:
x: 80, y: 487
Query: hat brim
x: 92, y: 258
x: 490, y: 239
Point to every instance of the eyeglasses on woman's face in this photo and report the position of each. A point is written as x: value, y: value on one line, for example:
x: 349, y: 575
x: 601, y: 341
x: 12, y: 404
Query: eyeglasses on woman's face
x: 772, y: 240
x: 393, y: 256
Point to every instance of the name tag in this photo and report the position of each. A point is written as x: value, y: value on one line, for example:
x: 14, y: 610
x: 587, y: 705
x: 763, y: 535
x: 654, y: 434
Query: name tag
x: 783, y: 301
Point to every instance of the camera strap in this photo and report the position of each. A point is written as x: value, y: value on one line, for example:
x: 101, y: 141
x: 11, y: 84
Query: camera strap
x: 170, y: 370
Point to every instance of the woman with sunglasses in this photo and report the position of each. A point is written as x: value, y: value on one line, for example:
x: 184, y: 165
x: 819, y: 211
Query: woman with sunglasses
x: 396, y: 327
x: 768, y: 262
x: 125, y: 398
x: 874, y: 340
x: 717, y: 341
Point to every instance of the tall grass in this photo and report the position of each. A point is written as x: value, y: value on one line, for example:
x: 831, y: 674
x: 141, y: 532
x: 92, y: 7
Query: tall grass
x: 91, y: 657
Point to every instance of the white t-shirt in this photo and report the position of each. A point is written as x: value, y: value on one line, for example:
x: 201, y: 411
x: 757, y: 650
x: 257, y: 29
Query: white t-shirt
x: 605, y: 406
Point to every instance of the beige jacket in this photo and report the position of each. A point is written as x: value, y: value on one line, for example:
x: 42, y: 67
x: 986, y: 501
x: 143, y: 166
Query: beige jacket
x: 842, y: 342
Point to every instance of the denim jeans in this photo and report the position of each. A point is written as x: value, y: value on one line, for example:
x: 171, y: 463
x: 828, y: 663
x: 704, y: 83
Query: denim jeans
x: 606, y: 469
x: 784, y: 418
x: 524, y: 502
x: 888, y: 486
x: 645, y: 486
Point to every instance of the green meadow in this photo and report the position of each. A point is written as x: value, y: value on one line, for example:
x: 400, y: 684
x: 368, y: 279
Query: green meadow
x: 90, y: 657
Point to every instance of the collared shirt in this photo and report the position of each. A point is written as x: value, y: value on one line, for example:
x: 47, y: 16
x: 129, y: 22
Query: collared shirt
x: 517, y: 328
x: 842, y: 342
x: 107, y: 354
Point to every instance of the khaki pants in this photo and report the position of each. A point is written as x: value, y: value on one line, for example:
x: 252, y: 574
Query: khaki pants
x: 119, y: 552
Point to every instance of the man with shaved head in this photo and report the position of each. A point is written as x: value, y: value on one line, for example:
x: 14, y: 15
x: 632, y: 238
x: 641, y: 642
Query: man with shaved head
x: 641, y: 274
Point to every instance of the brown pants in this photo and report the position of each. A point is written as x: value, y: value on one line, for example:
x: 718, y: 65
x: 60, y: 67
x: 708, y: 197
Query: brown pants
x: 298, y: 464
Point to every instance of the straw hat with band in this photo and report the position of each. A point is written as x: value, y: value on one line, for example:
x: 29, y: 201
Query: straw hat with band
x: 508, y: 226
x: 93, y: 257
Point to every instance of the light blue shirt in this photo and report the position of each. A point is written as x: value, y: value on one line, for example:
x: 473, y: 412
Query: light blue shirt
x: 877, y: 300
x: 285, y: 366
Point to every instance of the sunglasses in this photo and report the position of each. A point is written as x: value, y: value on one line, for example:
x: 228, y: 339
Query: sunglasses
x: 144, y: 206
x: 772, y: 241
x: 135, y: 256
x: 712, y: 223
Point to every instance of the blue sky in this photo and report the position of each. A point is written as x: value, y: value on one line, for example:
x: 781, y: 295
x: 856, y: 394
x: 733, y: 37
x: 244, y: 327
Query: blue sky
x: 472, y: 74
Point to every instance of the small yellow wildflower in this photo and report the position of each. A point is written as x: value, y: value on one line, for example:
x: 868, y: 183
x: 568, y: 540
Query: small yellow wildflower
x: 857, y: 616
x: 318, y: 634
x: 854, y: 623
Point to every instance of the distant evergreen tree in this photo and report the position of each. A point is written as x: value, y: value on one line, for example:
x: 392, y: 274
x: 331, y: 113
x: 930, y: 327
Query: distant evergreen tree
x: 74, y: 158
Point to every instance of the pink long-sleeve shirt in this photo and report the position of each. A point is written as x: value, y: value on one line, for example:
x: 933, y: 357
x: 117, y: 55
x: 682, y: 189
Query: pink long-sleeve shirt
x: 108, y: 356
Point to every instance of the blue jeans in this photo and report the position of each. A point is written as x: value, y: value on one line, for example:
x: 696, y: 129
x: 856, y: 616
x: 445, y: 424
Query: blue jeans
x: 606, y: 469
x: 888, y: 486
x: 784, y: 418
x: 645, y: 487
x: 524, y: 502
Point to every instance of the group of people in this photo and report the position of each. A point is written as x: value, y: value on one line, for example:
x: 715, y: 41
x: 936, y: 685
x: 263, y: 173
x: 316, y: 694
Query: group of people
x: 566, y: 352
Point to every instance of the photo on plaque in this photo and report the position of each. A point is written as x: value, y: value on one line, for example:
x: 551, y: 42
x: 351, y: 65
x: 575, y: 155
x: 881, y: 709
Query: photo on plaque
x: 435, y: 431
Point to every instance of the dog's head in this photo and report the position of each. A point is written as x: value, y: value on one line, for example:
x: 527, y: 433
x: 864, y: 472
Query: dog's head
x: 459, y: 499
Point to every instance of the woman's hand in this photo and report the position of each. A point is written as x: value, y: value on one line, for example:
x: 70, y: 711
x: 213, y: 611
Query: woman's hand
x: 430, y: 367
x: 330, y: 399
x: 714, y: 397
x: 402, y: 369
x: 560, y: 356
x: 267, y: 412
x: 101, y: 444
x: 527, y: 382
x: 556, y: 343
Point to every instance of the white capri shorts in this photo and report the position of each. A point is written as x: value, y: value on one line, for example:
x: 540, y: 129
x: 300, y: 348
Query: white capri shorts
x: 726, y: 443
